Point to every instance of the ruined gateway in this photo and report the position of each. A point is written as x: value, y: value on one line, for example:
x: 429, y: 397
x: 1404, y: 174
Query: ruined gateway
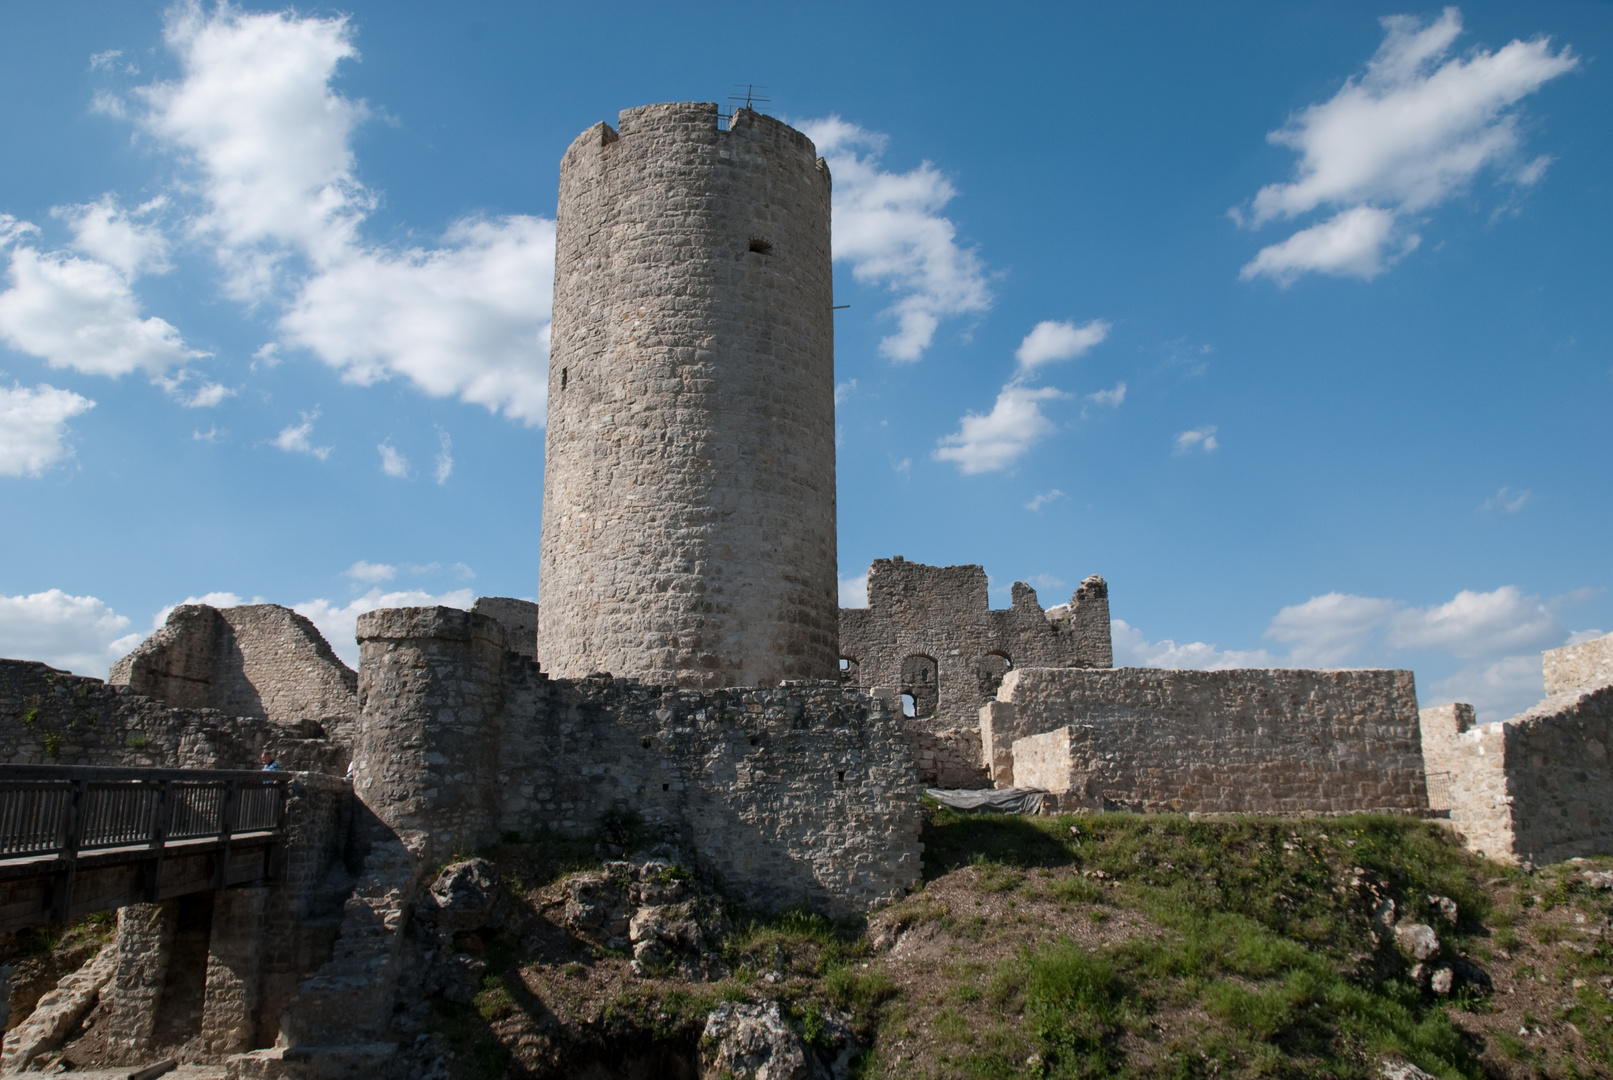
x: 688, y: 665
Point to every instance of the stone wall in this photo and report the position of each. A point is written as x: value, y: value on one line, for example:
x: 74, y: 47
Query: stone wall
x: 51, y: 717
x: 519, y: 619
x: 1590, y: 663
x: 802, y: 794
x: 940, y: 616
x: 1250, y: 741
x: 689, y: 473
x: 1538, y: 786
x: 258, y: 660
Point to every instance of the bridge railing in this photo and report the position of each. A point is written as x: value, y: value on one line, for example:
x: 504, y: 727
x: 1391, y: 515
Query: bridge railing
x: 52, y: 810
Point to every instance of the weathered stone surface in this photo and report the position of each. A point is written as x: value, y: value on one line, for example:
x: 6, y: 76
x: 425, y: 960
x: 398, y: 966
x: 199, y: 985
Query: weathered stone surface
x: 58, y: 1012
x: 688, y: 495
x: 519, y: 618
x: 1249, y: 741
x: 1536, y: 787
x: 793, y: 795
x: 1588, y: 664
x: 257, y: 660
x: 1417, y: 940
x: 234, y: 971
x: 746, y: 1041
x: 949, y: 759
x: 141, y: 950
x: 940, y: 615
x: 467, y: 895
x: 50, y: 717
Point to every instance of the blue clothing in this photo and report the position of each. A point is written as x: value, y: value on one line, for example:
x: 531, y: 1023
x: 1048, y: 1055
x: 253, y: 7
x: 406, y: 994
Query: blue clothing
x: 273, y: 766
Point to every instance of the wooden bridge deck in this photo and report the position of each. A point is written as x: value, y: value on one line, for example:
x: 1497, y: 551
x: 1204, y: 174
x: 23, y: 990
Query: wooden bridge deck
x: 74, y: 840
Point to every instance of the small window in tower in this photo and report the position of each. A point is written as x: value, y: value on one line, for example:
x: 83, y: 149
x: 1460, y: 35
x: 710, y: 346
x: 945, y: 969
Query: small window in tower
x: 761, y: 245
x: 562, y: 378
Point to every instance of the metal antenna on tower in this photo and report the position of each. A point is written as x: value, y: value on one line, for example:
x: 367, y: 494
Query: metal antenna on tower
x: 750, y: 97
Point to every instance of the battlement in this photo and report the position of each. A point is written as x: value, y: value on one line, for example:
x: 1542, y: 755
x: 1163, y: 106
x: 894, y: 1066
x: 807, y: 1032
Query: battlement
x: 696, y: 122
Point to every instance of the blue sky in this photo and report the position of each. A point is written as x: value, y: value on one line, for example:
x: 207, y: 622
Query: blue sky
x: 1292, y: 323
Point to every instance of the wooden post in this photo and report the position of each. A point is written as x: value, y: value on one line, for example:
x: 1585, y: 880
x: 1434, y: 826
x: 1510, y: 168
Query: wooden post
x: 72, y: 832
x: 158, y: 833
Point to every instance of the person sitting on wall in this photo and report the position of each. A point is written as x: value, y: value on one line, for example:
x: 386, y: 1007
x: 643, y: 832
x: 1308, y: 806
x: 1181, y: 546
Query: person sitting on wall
x: 269, y: 763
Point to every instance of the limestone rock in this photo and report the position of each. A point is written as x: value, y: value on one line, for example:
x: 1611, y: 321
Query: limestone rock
x: 1445, y: 906
x: 1417, y: 940
x: 755, y: 1042
x: 1442, y: 980
x: 58, y: 1012
x: 1402, y: 1070
x: 468, y: 896
x: 1598, y: 879
x: 751, y: 1042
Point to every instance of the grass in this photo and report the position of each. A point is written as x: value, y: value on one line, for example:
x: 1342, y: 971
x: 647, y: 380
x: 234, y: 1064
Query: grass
x: 1258, y: 936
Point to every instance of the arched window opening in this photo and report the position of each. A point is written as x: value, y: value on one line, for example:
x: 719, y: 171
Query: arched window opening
x: 909, y: 708
x: 989, y: 671
x: 921, y: 681
x: 848, y: 671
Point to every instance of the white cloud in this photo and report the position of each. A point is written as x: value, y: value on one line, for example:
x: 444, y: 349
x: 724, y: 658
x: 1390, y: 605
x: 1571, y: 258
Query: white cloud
x: 854, y: 591
x: 339, y: 622
x: 104, y: 59
x: 1054, y: 341
x: 468, y: 319
x: 78, y: 633
x: 1036, y: 504
x: 1507, y: 501
x: 105, y: 231
x: 81, y: 313
x: 1478, y: 624
x: 889, y: 227
x: 371, y: 573
x: 393, y: 463
x: 1198, y: 439
x: 1411, y: 130
x: 207, y: 395
x: 998, y: 439
x: 1352, y: 243
x: 295, y: 438
x: 256, y: 115
x: 270, y: 139
x: 1133, y: 649
x: 444, y: 466
x: 844, y: 390
x: 1580, y: 636
x: 1331, y: 629
x: 33, y: 424
x: 1496, y: 690
x: 1111, y: 398
x: 1338, y: 628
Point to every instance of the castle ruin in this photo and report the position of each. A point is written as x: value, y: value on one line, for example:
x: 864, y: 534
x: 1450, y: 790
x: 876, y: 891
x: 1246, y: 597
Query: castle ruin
x: 687, y: 664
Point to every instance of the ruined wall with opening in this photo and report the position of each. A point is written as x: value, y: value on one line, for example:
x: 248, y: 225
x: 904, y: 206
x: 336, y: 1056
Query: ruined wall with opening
x: 930, y: 632
x: 256, y: 660
x: 1249, y: 741
x: 1537, y: 786
x: 801, y: 794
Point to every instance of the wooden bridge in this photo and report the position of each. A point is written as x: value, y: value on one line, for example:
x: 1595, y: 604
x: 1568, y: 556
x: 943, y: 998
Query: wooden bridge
x: 74, y: 840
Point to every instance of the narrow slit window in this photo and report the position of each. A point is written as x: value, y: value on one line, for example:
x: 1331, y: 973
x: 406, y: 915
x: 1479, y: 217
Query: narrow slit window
x: 562, y: 378
x: 761, y: 245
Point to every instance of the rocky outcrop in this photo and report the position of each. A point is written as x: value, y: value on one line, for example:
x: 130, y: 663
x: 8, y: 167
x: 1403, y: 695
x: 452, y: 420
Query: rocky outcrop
x: 755, y: 1042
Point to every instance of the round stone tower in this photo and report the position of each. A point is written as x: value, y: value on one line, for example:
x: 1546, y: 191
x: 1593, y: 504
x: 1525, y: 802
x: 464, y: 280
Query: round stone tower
x: 689, y: 482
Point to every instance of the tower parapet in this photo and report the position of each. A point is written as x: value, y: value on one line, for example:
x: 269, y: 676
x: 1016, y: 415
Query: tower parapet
x: 688, y: 499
